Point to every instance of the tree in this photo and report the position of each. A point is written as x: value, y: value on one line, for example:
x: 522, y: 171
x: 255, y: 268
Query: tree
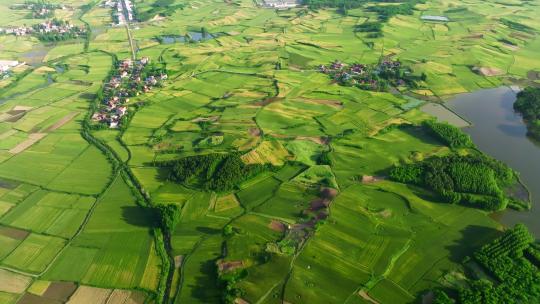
x: 440, y: 297
x: 169, y: 216
x: 528, y: 105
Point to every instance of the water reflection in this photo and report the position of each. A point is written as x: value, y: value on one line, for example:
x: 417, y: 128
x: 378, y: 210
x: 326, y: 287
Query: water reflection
x: 188, y: 37
x: 500, y: 132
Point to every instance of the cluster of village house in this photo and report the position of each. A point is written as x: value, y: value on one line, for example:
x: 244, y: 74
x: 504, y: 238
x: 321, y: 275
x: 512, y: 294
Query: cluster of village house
x: 42, y: 12
x: 281, y: 4
x: 5, y: 66
x: 124, y: 10
x: 126, y: 83
x: 39, y: 10
x: 50, y: 26
x: 360, y: 73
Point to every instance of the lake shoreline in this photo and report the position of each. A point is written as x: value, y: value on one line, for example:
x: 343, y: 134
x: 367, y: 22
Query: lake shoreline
x: 501, y: 133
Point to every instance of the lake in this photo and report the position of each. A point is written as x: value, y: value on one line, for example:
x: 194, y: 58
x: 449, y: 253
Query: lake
x: 500, y: 132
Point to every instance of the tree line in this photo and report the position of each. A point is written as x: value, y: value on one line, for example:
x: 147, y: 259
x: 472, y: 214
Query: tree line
x: 528, y: 105
x: 448, y: 134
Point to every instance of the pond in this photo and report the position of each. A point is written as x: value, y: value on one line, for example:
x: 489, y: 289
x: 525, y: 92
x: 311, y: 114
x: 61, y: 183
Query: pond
x: 190, y: 36
x: 35, y: 56
x: 500, y: 132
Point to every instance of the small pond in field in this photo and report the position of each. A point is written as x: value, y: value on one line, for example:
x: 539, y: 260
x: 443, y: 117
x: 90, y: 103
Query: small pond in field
x: 189, y: 36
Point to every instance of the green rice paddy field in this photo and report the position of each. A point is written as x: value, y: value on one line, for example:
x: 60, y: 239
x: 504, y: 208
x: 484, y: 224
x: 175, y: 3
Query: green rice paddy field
x: 76, y: 203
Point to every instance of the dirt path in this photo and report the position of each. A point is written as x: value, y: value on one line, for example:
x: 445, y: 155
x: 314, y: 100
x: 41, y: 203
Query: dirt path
x: 32, y: 139
x: 64, y: 120
x: 366, y: 297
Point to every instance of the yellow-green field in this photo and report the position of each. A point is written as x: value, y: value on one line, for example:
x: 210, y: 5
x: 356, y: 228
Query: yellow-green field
x: 320, y: 224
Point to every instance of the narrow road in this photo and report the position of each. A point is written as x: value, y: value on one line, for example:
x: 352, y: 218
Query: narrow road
x: 130, y: 38
x: 128, y: 29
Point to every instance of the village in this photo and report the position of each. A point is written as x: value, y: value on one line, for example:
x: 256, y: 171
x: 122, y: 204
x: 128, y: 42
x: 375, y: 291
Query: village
x: 54, y: 29
x: 281, y: 4
x: 40, y: 10
x: 6, y: 66
x: 123, y: 11
x: 132, y: 77
x: 373, y: 77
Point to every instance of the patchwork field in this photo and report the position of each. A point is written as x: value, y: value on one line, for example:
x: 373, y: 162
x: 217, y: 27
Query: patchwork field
x: 314, y: 216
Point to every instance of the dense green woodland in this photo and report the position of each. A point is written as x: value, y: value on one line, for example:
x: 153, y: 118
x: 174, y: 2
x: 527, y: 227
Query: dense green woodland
x: 528, y: 104
x: 473, y: 180
x: 217, y: 171
x: 513, y: 275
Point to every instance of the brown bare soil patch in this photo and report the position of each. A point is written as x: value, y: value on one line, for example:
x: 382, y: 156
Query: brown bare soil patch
x: 229, y: 266
x: 60, y: 291
x: 33, y: 138
x: 15, y: 112
x: 368, y: 179
x: 90, y: 295
x: 323, y: 214
x: 511, y: 47
x: 520, y: 35
x: 328, y: 193
x: 318, y: 204
x: 14, y: 233
x: 29, y: 298
x: 386, y: 213
x: 14, y: 118
x: 277, y: 226
x: 64, y: 120
x: 12, y: 282
x: 533, y: 75
x: 267, y: 101
x: 475, y: 36
x: 329, y: 102
x: 21, y: 108
x: 157, y: 17
x: 137, y: 297
x: 255, y: 132
x: 178, y: 261
x: 321, y: 140
x: 366, y: 297
x: 119, y: 296
x: 240, y: 301
x: 487, y: 71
